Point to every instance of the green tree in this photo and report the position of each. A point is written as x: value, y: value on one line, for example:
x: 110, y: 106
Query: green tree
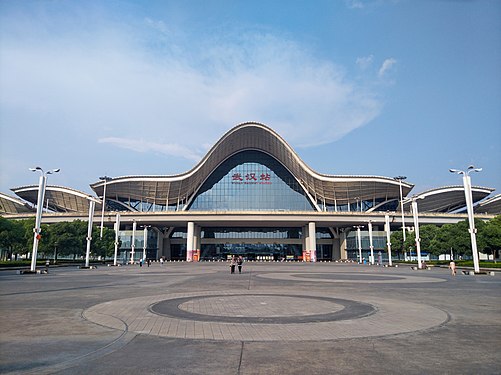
x: 397, y: 242
x: 489, y: 236
x: 104, y: 247
x: 11, y: 237
x: 427, y: 234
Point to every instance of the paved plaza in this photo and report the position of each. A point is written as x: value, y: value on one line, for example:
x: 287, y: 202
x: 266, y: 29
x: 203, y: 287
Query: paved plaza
x: 274, y: 318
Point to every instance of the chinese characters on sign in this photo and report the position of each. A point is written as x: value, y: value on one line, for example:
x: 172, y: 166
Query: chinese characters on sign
x: 251, y: 178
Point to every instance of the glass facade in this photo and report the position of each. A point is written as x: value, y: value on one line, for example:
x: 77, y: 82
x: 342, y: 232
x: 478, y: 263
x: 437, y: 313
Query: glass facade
x: 126, y: 244
x: 378, y: 241
x: 253, y: 243
x: 251, y: 181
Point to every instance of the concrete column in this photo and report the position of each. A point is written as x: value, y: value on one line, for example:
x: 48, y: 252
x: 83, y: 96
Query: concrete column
x: 306, y: 242
x: 189, y: 241
x: 342, y: 245
x: 313, y: 241
x: 197, y: 240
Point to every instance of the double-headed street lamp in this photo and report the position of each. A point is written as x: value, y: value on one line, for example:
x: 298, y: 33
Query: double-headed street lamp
x: 415, y: 215
x: 359, y: 238
x: 400, y: 179
x: 40, y: 199
x: 105, y: 179
x: 469, y: 209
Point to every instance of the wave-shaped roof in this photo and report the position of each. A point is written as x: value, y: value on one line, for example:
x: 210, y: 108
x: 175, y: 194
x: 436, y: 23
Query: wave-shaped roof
x: 447, y: 198
x: 58, y: 198
x: 13, y: 205
x: 167, y: 190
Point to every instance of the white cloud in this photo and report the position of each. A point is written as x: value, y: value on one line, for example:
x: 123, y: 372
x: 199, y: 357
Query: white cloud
x: 354, y: 4
x: 365, y: 62
x: 386, y: 66
x: 140, y: 145
x: 160, y: 93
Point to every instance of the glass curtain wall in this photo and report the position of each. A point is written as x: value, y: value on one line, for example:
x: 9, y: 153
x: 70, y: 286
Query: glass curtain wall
x: 251, y: 181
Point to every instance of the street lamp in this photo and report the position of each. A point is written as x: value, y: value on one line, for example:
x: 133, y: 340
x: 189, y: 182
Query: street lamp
x: 400, y: 179
x: 145, y: 240
x: 388, y: 236
x: 469, y: 208
x: 415, y: 216
x: 40, y: 199
x: 359, y: 237
x: 133, y: 244
x: 371, y: 245
x: 105, y: 179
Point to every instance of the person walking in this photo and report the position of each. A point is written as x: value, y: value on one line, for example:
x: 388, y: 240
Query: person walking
x: 452, y: 266
x: 233, y: 262
x: 240, y: 261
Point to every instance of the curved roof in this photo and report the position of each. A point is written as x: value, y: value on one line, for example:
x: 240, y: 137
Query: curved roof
x: 13, y: 205
x: 167, y: 190
x: 58, y: 198
x: 446, y: 199
x: 489, y: 206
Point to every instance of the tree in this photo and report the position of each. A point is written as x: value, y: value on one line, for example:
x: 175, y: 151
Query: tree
x: 427, y: 234
x: 489, y: 236
x: 104, y: 247
x: 11, y: 237
x: 397, y: 242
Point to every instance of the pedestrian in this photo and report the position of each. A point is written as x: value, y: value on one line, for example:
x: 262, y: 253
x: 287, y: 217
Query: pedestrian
x: 161, y: 261
x: 232, y: 264
x: 452, y: 266
x: 141, y: 262
x: 149, y: 262
x: 240, y: 261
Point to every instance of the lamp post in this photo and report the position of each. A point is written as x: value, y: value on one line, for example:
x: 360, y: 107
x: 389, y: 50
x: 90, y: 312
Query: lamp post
x: 40, y: 199
x: 371, y: 245
x: 388, y: 236
x: 145, y: 240
x: 359, y: 238
x: 89, y: 231
x: 469, y: 209
x: 400, y: 179
x: 133, y: 244
x: 105, y: 179
x: 415, y: 215
x: 117, y: 238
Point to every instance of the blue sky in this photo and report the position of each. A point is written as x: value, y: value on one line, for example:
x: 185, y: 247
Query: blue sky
x: 357, y: 87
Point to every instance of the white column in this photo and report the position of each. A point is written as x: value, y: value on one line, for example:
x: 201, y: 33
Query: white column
x: 37, y: 230
x: 133, y: 243
x: 117, y: 237
x: 189, y: 241
x: 313, y: 241
x: 471, y: 220
x: 416, y: 231
x: 388, y: 233
x: 371, y: 245
x: 92, y: 205
x: 306, y: 242
x: 359, y: 236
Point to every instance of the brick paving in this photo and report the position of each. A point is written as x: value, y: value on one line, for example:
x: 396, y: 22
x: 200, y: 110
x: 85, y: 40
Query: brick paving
x: 275, y: 318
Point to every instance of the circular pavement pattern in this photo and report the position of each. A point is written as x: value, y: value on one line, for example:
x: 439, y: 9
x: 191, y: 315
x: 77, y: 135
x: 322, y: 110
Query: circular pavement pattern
x: 351, y: 277
x: 264, y: 309
x: 265, y: 316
